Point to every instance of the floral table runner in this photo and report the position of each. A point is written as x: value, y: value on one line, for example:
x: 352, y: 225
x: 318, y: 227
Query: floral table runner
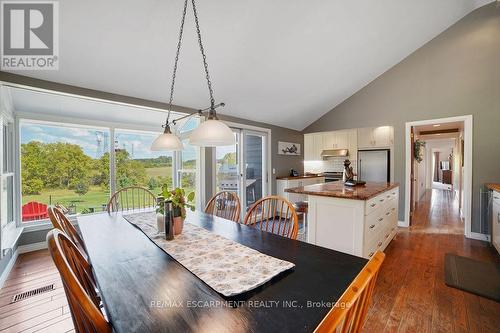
x: 228, y: 267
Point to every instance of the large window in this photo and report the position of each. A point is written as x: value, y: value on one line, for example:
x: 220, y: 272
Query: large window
x: 66, y: 166
x: 137, y: 165
x: 69, y: 166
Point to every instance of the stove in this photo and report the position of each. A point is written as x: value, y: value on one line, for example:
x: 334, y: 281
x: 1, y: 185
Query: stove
x: 332, y: 176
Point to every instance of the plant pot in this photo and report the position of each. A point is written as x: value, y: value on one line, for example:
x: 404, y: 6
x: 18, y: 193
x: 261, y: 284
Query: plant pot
x: 178, y: 225
x: 160, y: 223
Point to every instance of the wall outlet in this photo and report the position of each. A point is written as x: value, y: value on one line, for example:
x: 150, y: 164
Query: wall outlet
x: 274, y: 171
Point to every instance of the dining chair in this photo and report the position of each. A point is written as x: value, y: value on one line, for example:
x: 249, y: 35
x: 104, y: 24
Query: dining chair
x: 225, y: 204
x: 274, y: 214
x: 61, y: 222
x: 132, y: 197
x: 78, y: 282
x: 349, y: 312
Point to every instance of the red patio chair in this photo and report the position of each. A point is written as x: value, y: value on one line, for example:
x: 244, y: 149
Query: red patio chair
x: 33, y: 211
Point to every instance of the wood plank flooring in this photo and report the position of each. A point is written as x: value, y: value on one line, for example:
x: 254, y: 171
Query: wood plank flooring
x: 410, y: 295
x: 46, y: 312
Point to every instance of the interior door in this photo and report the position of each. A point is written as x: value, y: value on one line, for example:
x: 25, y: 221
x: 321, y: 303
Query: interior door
x: 254, y: 178
x: 412, y: 173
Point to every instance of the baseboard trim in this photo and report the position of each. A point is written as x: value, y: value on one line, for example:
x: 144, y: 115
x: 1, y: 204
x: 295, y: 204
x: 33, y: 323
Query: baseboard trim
x: 8, y: 268
x: 32, y: 247
x: 402, y: 224
x: 479, y: 236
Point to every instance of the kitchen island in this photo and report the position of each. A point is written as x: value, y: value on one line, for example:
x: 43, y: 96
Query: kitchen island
x: 358, y: 220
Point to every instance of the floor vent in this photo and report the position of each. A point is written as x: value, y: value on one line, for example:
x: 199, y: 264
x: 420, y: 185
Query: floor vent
x: 31, y: 293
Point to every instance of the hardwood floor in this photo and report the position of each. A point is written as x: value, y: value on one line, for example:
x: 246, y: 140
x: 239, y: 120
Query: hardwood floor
x: 411, y: 295
x: 46, y: 312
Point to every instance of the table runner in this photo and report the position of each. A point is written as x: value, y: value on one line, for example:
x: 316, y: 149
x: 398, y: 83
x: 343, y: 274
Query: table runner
x: 226, y: 266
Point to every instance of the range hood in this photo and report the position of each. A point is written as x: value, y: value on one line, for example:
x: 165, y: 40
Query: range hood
x: 327, y: 153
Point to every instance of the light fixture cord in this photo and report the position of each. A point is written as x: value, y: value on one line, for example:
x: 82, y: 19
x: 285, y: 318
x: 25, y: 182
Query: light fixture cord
x: 179, y: 42
x: 209, y: 83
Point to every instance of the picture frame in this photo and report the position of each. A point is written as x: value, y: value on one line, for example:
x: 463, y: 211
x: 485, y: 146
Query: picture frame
x: 288, y: 148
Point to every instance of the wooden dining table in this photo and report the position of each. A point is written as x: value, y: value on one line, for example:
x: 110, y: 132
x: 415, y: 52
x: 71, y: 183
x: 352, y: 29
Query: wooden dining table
x: 145, y: 290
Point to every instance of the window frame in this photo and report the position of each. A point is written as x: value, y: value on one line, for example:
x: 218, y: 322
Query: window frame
x: 77, y: 122
x: 9, y: 172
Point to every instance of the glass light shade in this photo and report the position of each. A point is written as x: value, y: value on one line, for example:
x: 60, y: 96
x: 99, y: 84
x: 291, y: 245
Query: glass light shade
x: 212, y: 133
x: 167, y: 141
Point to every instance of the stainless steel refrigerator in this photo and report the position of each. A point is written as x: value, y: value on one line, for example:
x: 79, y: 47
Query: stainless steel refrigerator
x: 374, y: 165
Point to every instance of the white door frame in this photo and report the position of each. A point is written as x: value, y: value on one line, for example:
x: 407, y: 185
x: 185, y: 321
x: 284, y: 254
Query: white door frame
x: 467, y: 209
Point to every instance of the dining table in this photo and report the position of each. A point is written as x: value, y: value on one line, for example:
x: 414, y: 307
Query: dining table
x: 144, y: 289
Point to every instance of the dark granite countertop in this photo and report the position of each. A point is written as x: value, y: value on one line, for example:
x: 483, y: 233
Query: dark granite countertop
x: 339, y: 190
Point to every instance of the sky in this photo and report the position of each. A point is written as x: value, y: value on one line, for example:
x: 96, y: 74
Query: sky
x: 136, y: 143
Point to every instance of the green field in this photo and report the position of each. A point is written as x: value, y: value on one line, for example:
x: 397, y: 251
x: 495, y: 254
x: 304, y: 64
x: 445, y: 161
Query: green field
x: 95, y: 198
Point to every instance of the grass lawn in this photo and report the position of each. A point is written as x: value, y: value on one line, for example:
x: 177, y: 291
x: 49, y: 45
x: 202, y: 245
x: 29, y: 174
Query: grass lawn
x: 159, y: 171
x: 95, y: 198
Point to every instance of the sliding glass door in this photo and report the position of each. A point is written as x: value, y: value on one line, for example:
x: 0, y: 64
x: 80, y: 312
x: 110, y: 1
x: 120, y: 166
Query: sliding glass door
x: 242, y: 167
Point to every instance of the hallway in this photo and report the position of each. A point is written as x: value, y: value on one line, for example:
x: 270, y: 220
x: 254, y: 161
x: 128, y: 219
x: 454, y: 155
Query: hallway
x: 437, y: 212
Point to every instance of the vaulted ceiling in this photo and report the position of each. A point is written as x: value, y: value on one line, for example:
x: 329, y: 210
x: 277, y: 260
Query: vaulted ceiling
x: 281, y: 62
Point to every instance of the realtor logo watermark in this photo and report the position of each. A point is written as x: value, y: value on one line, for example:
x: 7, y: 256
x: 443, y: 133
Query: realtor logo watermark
x: 30, y: 35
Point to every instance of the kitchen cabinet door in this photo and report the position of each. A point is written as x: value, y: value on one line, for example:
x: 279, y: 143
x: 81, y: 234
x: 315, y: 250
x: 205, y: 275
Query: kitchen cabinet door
x: 308, y: 147
x: 342, y: 140
x: 329, y: 140
x: 318, y: 146
x: 365, y: 137
x: 382, y: 136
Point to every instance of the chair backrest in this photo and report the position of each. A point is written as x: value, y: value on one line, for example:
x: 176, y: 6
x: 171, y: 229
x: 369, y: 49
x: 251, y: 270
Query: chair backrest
x: 349, y: 312
x: 225, y: 204
x: 78, y: 283
x: 274, y: 214
x: 133, y: 197
x: 61, y: 222
x: 34, y: 211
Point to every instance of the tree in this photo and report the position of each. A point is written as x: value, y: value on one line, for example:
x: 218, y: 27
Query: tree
x: 82, y: 188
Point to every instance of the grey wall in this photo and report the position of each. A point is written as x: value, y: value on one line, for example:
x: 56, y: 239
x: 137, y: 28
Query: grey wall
x: 457, y: 73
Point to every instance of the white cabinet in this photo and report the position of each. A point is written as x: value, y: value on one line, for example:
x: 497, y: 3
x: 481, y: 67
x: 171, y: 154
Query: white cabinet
x: 375, y: 137
x: 356, y: 227
x: 495, y: 223
x: 315, y: 143
x: 282, y: 184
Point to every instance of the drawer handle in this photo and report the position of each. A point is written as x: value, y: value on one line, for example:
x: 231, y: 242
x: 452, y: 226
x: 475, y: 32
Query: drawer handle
x: 373, y: 205
x: 387, y: 213
x: 393, y: 208
x: 372, y: 226
x: 380, y: 243
x: 381, y: 200
x: 370, y: 255
x: 386, y: 235
x: 380, y: 219
x: 393, y: 228
x: 393, y: 193
x: 388, y: 196
x: 498, y: 218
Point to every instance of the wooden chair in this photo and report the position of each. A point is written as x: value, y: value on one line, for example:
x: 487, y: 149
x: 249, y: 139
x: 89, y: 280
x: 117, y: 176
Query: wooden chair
x: 225, y: 204
x: 349, y: 312
x: 133, y: 197
x: 78, y: 284
x: 61, y: 222
x: 274, y: 214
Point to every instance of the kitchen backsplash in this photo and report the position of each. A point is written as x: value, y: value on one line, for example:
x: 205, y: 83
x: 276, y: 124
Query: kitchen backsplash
x: 332, y: 164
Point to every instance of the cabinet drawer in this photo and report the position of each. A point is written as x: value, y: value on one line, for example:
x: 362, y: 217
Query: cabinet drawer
x: 374, y: 203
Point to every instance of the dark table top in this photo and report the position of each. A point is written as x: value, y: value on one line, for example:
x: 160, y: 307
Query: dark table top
x: 146, y: 290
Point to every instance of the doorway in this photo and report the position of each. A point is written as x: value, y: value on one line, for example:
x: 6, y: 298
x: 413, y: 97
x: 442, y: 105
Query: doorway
x: 242, y: 167
x: 439, y: 175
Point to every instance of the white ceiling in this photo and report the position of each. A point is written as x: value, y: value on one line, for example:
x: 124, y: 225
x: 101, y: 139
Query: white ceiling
x: 281, y: 62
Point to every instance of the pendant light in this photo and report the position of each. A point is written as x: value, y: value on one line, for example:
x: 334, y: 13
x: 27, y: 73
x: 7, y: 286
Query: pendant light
x: 210, y: 133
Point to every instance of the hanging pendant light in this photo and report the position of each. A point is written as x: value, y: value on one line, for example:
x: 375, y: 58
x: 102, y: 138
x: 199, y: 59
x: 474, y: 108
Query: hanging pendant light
x: 210, y: 133
x: 167, y: 141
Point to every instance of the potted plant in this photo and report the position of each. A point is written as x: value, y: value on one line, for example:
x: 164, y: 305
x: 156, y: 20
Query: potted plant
x: 180, y: 201
x: 418, y: 150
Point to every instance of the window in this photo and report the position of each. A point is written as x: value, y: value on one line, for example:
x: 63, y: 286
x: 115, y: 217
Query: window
x: 68, y: 166
x: 63, y: 165
x: 7, y: 175
x: 137, y: 165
